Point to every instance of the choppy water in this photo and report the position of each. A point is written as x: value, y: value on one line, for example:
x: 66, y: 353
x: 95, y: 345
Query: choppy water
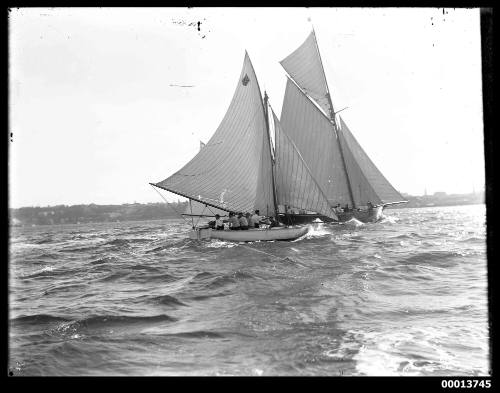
x: 406, y: 296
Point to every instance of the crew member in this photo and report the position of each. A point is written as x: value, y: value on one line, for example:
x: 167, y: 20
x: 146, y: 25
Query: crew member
x: 219, y: 224
x: 234, y: 223
x: 243, y: 221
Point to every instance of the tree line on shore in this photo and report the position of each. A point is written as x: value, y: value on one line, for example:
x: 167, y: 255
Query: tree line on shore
x: 80, y: 214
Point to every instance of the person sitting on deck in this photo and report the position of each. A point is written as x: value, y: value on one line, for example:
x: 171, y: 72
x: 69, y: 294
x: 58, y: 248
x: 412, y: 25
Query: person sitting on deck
x: 234, y: 223
x: 370, y: 206
x: 346, y: 208
x: 273, y: 223
x: 219, y: 224
x: 250, y: 221
x: 243, y: 221
x: 256, y: 218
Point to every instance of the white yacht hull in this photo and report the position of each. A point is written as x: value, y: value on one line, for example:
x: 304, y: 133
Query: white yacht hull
x: 250, y: 235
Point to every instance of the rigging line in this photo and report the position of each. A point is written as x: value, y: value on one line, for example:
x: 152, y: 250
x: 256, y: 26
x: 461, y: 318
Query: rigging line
x: 191, y: 208
x: 309, y: 98
x: 199, y: 218
x: 169, y: 203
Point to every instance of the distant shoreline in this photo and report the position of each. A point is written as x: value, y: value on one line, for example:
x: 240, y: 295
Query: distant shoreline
x: 88, y: 214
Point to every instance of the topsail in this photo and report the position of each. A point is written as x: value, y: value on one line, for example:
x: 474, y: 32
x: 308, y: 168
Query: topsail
x: 305, y: 67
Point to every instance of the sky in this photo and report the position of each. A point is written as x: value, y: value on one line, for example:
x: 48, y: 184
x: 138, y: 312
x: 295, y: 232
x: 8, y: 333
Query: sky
x: 103, y: 101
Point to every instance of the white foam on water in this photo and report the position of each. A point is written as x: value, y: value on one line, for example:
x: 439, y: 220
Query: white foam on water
x: 389, y: 219
x: 316, y: 230
x: 221, y: 244
x: 417, y: 351
x: 353, y: 222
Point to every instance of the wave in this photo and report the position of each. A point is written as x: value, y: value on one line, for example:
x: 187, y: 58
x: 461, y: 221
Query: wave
x: 116, y: 242
x: 115, y: 276
x: 47, y: 271
x: 145, y: 278
x: 78, y: 249
x: 205, y: 297
x: 220, y: 282
x: 45, y: 240
x: 213, y: 281
x: 102, y: 260
x: 198, y: 334
x: 434, y: 257
x: 156, y: 249
x: 37, y: 319
x: 108, y: 320
x: 76, y: 328
x: 168, y: 300
x: 63, y: 288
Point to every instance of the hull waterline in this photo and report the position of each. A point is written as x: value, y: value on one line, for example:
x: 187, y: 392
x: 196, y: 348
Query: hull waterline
x: 250, y: 235
x: 364, y: 216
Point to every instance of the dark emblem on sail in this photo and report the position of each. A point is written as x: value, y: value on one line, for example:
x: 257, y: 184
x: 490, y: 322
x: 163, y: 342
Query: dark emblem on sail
x: 245, y: 80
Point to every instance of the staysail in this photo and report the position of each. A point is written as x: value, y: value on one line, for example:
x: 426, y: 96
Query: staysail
x: 314, y: 135
x: 295, y: 184
x: 233, y: 170
x: 368, y: 183
x: 305, y: 67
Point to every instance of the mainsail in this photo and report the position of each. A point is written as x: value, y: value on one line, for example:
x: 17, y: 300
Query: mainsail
x: 295, y: 184
x: 305, y: 67
x: 369, y: 185
x: 233, y: 171
x: 314, y: 135
x: 337, y: 162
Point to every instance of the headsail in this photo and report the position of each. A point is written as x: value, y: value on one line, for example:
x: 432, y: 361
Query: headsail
x: 295, y: 184
x: 305, y: 67
x: 368, y: 183
x: 314, y: 135
x: 233, y: 171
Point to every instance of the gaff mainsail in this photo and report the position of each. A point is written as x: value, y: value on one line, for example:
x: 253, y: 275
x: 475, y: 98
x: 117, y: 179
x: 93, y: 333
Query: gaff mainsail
x: 337, y: 161
x: 314, y: 136
x: 305, y: 67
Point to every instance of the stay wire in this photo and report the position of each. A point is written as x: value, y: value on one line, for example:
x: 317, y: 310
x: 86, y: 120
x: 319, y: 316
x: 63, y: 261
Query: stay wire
x: 159, y: 193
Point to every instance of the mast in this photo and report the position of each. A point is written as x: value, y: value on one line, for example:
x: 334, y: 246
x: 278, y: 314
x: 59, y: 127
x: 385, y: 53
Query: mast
x: 335, y: 126
x: 266, y: 115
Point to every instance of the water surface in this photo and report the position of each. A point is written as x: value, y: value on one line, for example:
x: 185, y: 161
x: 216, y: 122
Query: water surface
x: 405, y: 296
